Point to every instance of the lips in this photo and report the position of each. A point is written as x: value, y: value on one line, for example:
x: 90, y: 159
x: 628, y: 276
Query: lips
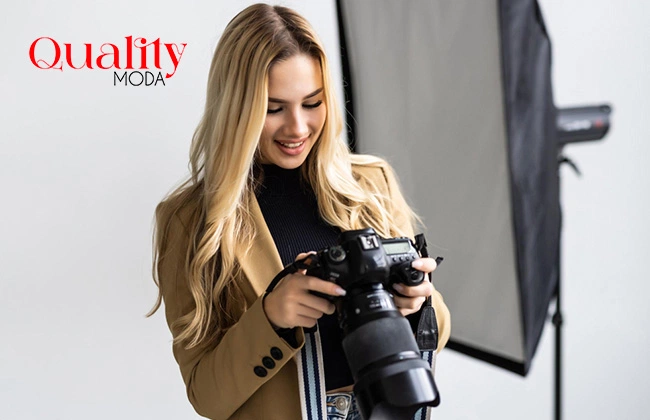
x: 291, y: 147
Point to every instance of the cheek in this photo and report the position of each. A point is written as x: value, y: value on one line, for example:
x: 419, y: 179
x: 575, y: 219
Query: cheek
x: 266, y: 142
x: 319, y: 121
x: 268, y: 131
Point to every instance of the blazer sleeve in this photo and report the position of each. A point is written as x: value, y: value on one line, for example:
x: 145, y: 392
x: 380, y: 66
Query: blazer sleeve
x: 219, y: 377
x: 400, y: 208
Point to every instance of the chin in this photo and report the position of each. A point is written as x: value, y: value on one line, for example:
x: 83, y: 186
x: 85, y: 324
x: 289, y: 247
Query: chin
x: 289, y: 163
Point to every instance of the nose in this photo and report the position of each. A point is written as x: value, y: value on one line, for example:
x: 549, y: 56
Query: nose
x: 296, y: 124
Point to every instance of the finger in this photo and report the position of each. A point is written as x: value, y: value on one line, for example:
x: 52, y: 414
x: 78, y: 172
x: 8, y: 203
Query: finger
x: 409, y: 303
x: 308, y: 311
x: 424, y: 289
x: 426, y: 265
x: 305, y: 321
x: 304, y: 255
x: 327, y: 287
x: 318, y: 303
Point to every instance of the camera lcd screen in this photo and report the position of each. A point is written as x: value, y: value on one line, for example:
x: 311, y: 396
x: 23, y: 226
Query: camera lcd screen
x: 397, y: 247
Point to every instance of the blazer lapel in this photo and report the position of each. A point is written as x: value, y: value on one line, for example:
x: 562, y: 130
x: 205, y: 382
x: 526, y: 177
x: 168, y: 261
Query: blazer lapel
x: 263, y: 261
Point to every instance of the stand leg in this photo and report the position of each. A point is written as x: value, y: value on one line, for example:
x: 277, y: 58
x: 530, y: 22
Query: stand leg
x: 557, y: 322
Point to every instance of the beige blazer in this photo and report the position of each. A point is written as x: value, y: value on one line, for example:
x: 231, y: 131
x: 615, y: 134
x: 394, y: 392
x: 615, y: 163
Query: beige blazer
x: 229, y: 380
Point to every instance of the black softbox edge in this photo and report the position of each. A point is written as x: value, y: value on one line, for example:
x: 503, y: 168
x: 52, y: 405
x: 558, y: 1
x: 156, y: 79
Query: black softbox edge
x: 491, y: 358
x: 532, y: 143
x: 348, y: 94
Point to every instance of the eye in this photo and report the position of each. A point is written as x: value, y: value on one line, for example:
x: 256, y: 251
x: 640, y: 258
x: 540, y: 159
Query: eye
x: 314, y: 105
x: 273, y: 110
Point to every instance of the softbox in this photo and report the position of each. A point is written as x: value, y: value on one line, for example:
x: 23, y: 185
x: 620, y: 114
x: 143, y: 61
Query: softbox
x: 457, y: 96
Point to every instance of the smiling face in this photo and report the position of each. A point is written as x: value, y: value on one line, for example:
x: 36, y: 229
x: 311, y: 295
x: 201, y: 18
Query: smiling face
x: 296, y: 112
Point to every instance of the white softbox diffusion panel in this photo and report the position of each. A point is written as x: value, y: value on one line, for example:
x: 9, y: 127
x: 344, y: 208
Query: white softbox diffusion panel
x: 457, y: 96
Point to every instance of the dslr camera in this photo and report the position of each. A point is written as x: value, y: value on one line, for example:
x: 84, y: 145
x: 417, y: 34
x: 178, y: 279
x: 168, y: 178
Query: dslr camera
x: 391, y: 378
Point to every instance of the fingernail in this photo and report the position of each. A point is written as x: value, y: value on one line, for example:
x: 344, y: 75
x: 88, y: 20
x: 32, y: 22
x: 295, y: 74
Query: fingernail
x: 340, y: 291
x: 417, y: 264
x: 398, y: 287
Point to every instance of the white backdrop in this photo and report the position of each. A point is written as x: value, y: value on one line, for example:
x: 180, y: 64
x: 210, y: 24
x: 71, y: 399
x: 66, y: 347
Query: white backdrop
x: 83, y: 164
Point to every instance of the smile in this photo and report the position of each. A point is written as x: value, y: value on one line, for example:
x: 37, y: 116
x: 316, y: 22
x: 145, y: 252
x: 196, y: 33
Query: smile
x: 291, y: 145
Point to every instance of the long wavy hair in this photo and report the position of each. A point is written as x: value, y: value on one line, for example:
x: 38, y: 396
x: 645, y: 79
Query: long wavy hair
x: 223, y: 170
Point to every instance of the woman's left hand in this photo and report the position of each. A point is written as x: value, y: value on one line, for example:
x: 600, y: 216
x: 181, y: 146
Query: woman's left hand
x: 414, y: 296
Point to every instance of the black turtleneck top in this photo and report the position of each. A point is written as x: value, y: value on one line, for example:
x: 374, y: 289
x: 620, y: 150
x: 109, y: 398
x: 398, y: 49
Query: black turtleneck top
x: 291, y: 213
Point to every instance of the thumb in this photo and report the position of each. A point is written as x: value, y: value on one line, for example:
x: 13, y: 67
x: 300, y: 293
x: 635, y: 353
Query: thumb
x: 304, y: 255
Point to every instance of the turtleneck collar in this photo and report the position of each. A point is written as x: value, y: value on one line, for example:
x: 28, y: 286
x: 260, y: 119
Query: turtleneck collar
x: 282, y: 182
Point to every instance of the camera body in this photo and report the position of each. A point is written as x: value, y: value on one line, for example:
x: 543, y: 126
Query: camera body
x: 362, y: 257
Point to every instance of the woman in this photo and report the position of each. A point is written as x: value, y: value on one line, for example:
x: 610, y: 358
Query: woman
x: 271, y: 178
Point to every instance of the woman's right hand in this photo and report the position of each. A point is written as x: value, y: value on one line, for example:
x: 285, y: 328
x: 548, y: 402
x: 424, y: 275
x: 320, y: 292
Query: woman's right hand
x: 291, y: 305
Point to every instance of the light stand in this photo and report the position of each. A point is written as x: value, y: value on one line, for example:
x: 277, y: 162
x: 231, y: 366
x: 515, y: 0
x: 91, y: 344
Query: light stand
x: 574, y: 125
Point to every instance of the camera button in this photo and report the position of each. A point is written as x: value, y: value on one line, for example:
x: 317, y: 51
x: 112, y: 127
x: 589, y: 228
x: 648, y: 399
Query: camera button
x: 260, y: 371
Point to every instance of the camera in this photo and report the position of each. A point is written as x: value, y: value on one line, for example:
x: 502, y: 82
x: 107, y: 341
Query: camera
x: 391, y: 380
x: 362, y: 257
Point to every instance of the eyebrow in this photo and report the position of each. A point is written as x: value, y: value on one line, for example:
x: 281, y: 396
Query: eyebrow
x: 311, y: 95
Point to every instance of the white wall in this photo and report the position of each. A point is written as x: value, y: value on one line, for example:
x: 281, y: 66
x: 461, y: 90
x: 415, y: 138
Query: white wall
x: 83, y: 164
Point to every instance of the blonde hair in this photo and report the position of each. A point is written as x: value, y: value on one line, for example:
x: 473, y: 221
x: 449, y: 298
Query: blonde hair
x: 222, y: 168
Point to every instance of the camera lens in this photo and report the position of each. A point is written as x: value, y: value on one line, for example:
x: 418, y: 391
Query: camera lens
x: 384, y: 358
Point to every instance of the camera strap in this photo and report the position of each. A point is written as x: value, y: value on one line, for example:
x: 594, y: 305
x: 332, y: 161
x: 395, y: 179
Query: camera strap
x: 427, y: 332
x: 290, y: 269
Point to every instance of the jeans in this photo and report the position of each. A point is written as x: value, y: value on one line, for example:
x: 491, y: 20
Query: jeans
x: 342, y: 406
